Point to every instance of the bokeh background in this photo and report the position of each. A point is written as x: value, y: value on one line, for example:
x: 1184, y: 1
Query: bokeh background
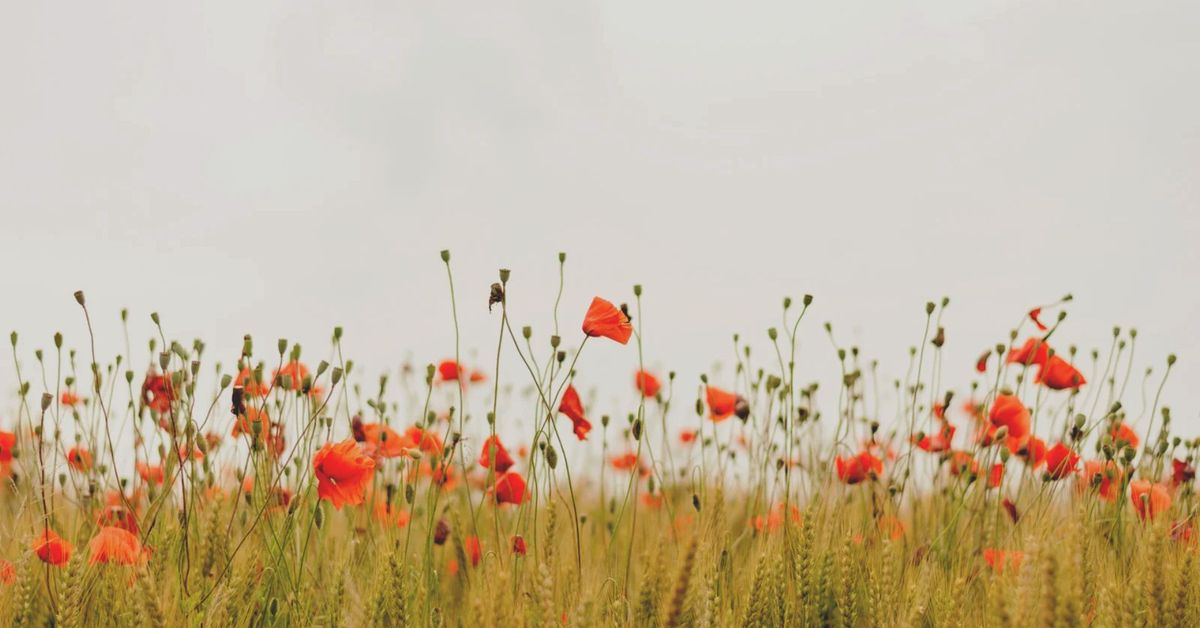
x: 277, y: 168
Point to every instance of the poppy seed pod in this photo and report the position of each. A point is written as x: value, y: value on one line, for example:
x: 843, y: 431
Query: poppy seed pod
x: 79, y: 297
x: 445, y: 255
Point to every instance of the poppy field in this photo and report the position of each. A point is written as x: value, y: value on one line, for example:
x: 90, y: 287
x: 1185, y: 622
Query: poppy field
x: 1043, y: 484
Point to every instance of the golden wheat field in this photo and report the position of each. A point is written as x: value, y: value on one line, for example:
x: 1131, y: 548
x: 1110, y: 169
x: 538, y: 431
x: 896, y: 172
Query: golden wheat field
x: 163, y: 486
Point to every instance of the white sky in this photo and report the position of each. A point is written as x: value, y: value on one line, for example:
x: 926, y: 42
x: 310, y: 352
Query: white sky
x: 278, y: 169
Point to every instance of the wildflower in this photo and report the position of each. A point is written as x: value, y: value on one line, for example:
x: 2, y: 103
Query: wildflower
x: 387, y: 515
x: 1011, y: 508
x: 510, y: 488
x: 1060, y: 462
x: 1034, y: 452
x: 688, y: 437
x: 8, y: 442
x: 474, y: 549
x: 425, y: 440
x: 1000, y: 559
x: 1058, y: 374
x: 647, y: 384
x: 625, y: 462
x: 962, y: 462
x: 1035, y: 351
x: 652, y: 500
x: 518, y: 545
x: 891, y: 527
x: 1182, y: 472
x: 295, y: 372
x: 343, y: 472
x: 573, y: 408
x: 441, y: 531
x: 1124, y: 436
x: 996, y: 475
x: 1183, y: 532
x: 51, y: 548
x: 1149, y: 500
x: 8, y: 573
x: 69, y: 398
x: 251, y: 383
x: 1033, y: 316
x: 115, y: 545
x: 721, y: 404
x: 604, y: 319
x: 117, y: 516
x: 383, y: 441
x: 1106, y: 476
x: 79, y: 459
x: 1008, y: 411
x: 936, y: 443
x: 151, y: 474
x: 158, y: 392
x: 495, y: 456
x: 245, y: 423
x: 981, y: 363
x: 855, y: 469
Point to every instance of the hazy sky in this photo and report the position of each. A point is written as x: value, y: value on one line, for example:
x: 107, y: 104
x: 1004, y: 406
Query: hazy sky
x: 278, y: 168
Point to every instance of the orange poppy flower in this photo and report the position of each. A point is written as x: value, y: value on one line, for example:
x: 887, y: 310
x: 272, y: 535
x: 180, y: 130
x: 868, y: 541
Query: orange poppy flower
x: 8, y: 442
x: 1058, y: 374
x: 79, y: 459
x: 1122, y: 433
x: 855, y: 469
x: 51, y: 548
x: 773, y: 521
x: 721, y: 404
x: 1061, y: 462
x: 1105, y: 475
x: 936, y: 443
x: 652, y: 500
x: 117, y: 516
x: 688, y: 437
x: 494, y: 455
x: 343, y: 472
x: 1034, y: 351
x: 573, y: 408
x: 474, y: 549
x: 8, y: 573
x: 69, y: 398
x: 383, y: 441
x: 251, y: 383
x: 999, y: 560
x: 295, y: 371
x: 1034, y: 452
x: 115, y: 545
x: 625, y: 462
x: 425, y: 440
x: 1008, y: 411
x: 647, y: 384
x: 1149, y: 500
x: 158, y: 392
x: 604, y: 319
x: 996, y: 475
x: 245, y: 422
x: 962, y: 462
x: 391, y: 515
x: 152, y: 474
x: 892, y: 528
x: 510, y: 488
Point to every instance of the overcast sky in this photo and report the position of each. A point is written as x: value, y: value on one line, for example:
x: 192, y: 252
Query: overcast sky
x: 278, y: 168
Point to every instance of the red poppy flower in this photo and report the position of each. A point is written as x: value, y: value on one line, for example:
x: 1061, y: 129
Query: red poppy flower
x: 251, y: 383
x: 474, y: 549
x: 494, y: 455
x: 343, y: 472
x: 1061, y: 462
x: 647, y: 384
x: 1034, y: 452
x: 295, y: 371
x: 688, y: 437
x: 79, y: 459
x: 604, y: 319
x: 8, y: 442
x: 115, y: 545
x: 1122, y: 433
x: 981, y: 363
x: 117, y: 516
x: 1034, y: 351
x: 451, y: 371
x: 8, y: 573
x: 383, y: 441
x: 890, y: 527
x: 518, y: 545
x: 152, y: 474
x: 1058, y: 374
x: 510, y: 488
x: 69, y: 398
x: 1033, y: 316
x: 573, y: 408
x: 1008, y: 411
x: 996, y: 475
x: 855, y: 469
x: 1182, y: 472
x: 51, y: 548
x: 1000, y: 559
x: 963, y: 462
x: 721, y: 404
x: 1149, y: 500
x: 158, y: 392
x: 937, y: 442
x: 1011, y: 508
x: 1105, y: 475
x: 425, y: 440
x: 391, y: 515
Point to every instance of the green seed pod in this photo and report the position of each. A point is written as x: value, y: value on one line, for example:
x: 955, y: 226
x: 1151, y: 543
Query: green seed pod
x: 551, y: 456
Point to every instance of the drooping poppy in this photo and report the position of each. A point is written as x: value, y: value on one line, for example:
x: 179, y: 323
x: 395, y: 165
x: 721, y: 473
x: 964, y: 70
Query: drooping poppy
x: 1058, y: 374
x: 150, y: 473
x: 1124, y: 436
x: 51, y: 548
x: 494, y: 455
x: 382, y: 441
x: 510, y: 488
x: 604, y: 319
x: 647, y: 384
x: 158, y: 392
x: 1149, y: 500
x: 573, y: 408
x: 1035, y: 351
x: 999, y: 560
x: 1010, y: 507
x: 1061, y: 462
x: 1182, y: 472
x: 343, y: 472
x: 858, y: 468
x: 721, y: 404
x: 1105, y: 476
x: 474, y: 549
x: 79, y: 459
x: 115, y: 545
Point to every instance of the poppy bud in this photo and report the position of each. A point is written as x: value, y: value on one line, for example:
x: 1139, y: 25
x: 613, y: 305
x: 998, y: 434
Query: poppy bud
x: 772, y: 333
x: 247, y: 346
x: 604, y: 420
x: 637, y: 430
x: 1080, y: 421
x: 335, y: 375
x: 79, y: 297
x: 527, y: 332
x: 491, y: 418
x: 441, y: 531
x: 637, y: 289
x: 554, y: 340
x: 929, y: 307
x: 154, y: 317
x: 940, y: 338
x: 551, y: 456
x: 319, y: 516
x: 47, y: 399
x: 1001, y: 433
x: 1171, y: 360
x: 699, y: 408
x: 12, y: 338
x: 696, y: 502
x: 445, y: 255
x: 164, y: 359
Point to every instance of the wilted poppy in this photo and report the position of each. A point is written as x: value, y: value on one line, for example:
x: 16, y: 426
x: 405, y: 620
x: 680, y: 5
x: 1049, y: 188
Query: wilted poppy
x: 494, y: 455
x: 51, y: 548
x: 647, y: 384
x: 1182, y: 472
x: 1034, y: 315
x: 1149, y: 500
x: 1061, y: 462
x: 573, y: 408
x: 855, y: 469
x: 604, y: 319
x: 343, y: 472
x: 115, y: 545
x: 510, y: 488
x: 981, y: 362
x: 1058, y: 374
